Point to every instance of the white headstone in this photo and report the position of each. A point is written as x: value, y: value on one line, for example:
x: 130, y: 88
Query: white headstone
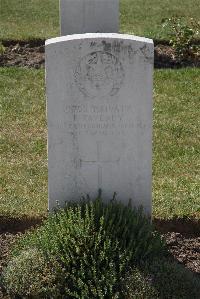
x: 82, y: 16
x: 99, y: 101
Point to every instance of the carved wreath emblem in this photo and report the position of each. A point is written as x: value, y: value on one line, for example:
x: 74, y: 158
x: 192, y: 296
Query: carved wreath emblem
x: 99, y: 74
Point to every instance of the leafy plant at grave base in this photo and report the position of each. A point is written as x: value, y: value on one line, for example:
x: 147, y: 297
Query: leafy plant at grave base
x: 182, y: 33
x: 89, y: 246
x: 2, y: 48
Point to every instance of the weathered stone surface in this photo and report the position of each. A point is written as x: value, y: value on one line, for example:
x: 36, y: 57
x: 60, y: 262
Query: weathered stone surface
x: 87, y: 16
x: 99, y: 100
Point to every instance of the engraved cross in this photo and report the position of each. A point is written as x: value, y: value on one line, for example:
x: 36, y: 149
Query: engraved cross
x: 99, y: 162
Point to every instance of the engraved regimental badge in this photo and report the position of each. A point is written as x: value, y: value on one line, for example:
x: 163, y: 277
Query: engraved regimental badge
x: 99, y: 74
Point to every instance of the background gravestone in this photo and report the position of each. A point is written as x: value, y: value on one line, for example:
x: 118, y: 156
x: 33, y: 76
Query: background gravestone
x: 82, y: 16
x: 99, y: 99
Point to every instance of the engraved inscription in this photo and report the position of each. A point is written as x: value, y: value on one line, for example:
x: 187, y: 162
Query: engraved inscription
x: 98, y: 119
x: 99, y: 74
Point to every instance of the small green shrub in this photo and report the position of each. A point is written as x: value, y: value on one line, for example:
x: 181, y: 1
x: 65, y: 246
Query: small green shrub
x: 173, y: 281
x: 182, y: 33
x: 93, y: 243
x: 130, y: 227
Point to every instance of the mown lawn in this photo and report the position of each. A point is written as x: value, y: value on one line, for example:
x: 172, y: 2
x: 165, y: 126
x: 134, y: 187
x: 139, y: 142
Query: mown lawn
x: 176, y: 143
x: 144, y: 18
x: 27, y: 19
x: 23, y: 143
x: 176, y: 186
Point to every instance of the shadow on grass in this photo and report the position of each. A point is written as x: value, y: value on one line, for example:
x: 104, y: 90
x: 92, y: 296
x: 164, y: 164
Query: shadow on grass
x: 14, y: 225
x: 187, y: 226
x: 171, y: 279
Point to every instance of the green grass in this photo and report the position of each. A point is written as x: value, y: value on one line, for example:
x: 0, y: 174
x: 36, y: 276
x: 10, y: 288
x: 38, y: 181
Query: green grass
x: 144, y: 18
x: 23, y: 142
x: 26, y: 19
x: 176, y: 144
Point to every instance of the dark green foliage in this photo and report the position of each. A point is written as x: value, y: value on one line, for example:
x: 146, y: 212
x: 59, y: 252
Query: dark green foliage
x: 130, y: 227
x: 94, y: 244
x: 173, y: 281
x: 183, y: 32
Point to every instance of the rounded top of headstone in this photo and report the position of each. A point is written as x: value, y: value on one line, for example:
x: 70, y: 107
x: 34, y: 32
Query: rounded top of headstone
x: 98, y: 36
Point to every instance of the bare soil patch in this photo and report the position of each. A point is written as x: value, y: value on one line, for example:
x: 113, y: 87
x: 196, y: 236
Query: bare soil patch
x: 31, y: 54
x: 185, y: 249
x: 182, y: 236
x: 24, y: 55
